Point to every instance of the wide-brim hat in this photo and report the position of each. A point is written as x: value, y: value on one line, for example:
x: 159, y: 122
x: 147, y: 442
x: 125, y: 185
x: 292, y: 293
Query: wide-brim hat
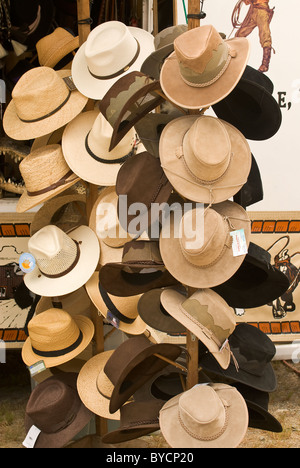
x: 206, y: 416
x: 69, y: 105
x: 252, y: 192
x: 183, y: 145
x: 122, y: 312
x: 63, y: 427
x: 94, y: 87
x: 203, y: 69
x: 256, y: 283
x: 251, y: 107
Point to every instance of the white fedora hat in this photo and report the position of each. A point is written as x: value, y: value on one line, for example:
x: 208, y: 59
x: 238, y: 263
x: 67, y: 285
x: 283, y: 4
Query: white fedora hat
x: 112, y: 49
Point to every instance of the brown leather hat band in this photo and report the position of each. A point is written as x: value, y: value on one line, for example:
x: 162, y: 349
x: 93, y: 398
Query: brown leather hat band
x: 54, y: 186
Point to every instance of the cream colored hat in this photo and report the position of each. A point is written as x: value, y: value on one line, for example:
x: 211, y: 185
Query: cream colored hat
x: 112, y: 50
x: 54, y: 47
x: 64, y: 262
x: 41, y: 103
x: 46, y: 174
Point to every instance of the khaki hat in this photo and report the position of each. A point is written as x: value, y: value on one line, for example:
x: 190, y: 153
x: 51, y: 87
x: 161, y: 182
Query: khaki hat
x: 204, y: 260
x: 54, y: 47
x: 55, y: 337
x: 207, y: 316
x: 75, y: 303
x: 203, y: 69
x: 46, y: 174
x: 206, y: 159
x: 42, y: 102
x: 206, y: 416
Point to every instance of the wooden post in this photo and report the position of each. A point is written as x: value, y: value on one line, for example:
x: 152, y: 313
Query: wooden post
x: 194, y: 9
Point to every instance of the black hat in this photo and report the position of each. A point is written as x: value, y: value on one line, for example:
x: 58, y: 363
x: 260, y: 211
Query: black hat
x: 252, y: 192
x: 251, y: 108
x: 256, y: 283
x: 253, y: 351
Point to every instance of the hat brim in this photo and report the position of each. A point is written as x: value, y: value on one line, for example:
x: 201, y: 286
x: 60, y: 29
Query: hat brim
x: 61, y: 438
x: 18, y: 130
x: 189, y: 274
x: 39, y: 284
x: 190, y: 97
x: 152, y: 65
x: 87, y: 328
x: 96, y: 89
x: 44, y: 27
x: 232, y: 437
x: 76, y: 303
x: 181, y: 178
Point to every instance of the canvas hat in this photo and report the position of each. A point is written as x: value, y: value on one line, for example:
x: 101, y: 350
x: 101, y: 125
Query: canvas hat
x: 142, y: 180
x: 75, y: 303
x: 133, y: 363
x: 256, y: 283
x: 36, y: 110
x: 120, y: 312
x: 252, y: 192
x: 254, y: 352
x: 206, y: 416
x: 207, y: 316
x: 131, y: 98
x: 46, y: 174
x: 206, y: 259
x: 138, y: 419
x: 140, y: 270
x: 56, y: 337
x: 64, y: 262
x: 55, y: 408
x: 186, y: 148
x: 251, y: 107
x: 85, y: 144
x: 112, y: 50
x: 55, y: 47
x: 203, y: 69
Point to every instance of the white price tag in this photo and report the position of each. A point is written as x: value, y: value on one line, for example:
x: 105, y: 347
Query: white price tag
x: 239, y: 243
x: 31, y: 437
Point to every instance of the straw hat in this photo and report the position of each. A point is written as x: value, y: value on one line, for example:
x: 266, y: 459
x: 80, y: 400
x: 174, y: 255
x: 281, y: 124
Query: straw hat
x: 41, y: 103
x: 203, y: 69
x: 46, y: 174
x: 121, y: 312
x: 56, y: 337
x: 55, y: 47
x: 112, y: 50
x: 64, y: 262
x: 206, y: 159
x: 85, y: 144
x: 204, y: 259
x: 206, y: 416
x: 75, y: 303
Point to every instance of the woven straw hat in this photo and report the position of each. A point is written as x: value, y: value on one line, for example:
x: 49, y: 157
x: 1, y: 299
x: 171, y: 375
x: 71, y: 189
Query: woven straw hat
x: 56, y: 337
x: 55, y: 47
x: 41, y: 103
x: 46, y: 174
x: 64, y: 262
x: 75, y: 303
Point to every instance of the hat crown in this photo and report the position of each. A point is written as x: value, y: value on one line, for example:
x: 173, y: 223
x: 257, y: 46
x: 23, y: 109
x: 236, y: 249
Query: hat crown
x: 143, y: 252
x: 55, y: 46
x: 39, y: 92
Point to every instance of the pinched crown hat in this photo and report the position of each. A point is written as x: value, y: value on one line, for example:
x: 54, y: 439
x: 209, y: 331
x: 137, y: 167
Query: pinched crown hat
x: 42, y: 102
x: 55, y: 47
x: 203, y: 68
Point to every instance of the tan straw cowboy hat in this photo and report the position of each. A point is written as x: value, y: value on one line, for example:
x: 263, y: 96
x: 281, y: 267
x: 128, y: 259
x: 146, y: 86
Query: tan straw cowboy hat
x: 203, y: 69
x: 56, y: 46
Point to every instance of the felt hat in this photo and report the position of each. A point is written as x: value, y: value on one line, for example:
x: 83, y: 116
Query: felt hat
x: 207, y: 316
x: 55, y: 47
x: 54, y: 407
x: 203, y: 69
x: 45, y: 174
x: 186, y: 148
x: 64, y: 262
x: 204, y: 257
x: 140, y: 270
x: 252, y: 192
x: 112, y: 50
x: 254, y: 351
x: 132, y: 364
x: 85, y: 145
x: 56, y: 337
x: 256, y: 283
x: 206, y: 416
x: 131, y: 98
x: 251, y: 107
x: 35, y: 111
x: 164, y: 385
x: 120, y: 312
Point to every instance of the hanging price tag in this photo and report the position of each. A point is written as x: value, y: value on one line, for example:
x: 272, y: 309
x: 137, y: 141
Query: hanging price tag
x: 239, y: 243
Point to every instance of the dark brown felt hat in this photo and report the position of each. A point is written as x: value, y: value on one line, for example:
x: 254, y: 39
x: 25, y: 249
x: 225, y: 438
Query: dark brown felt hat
x: 132, y: 364
x: 137, y: 420
x: 135, y: 274
x: 131, y: 98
